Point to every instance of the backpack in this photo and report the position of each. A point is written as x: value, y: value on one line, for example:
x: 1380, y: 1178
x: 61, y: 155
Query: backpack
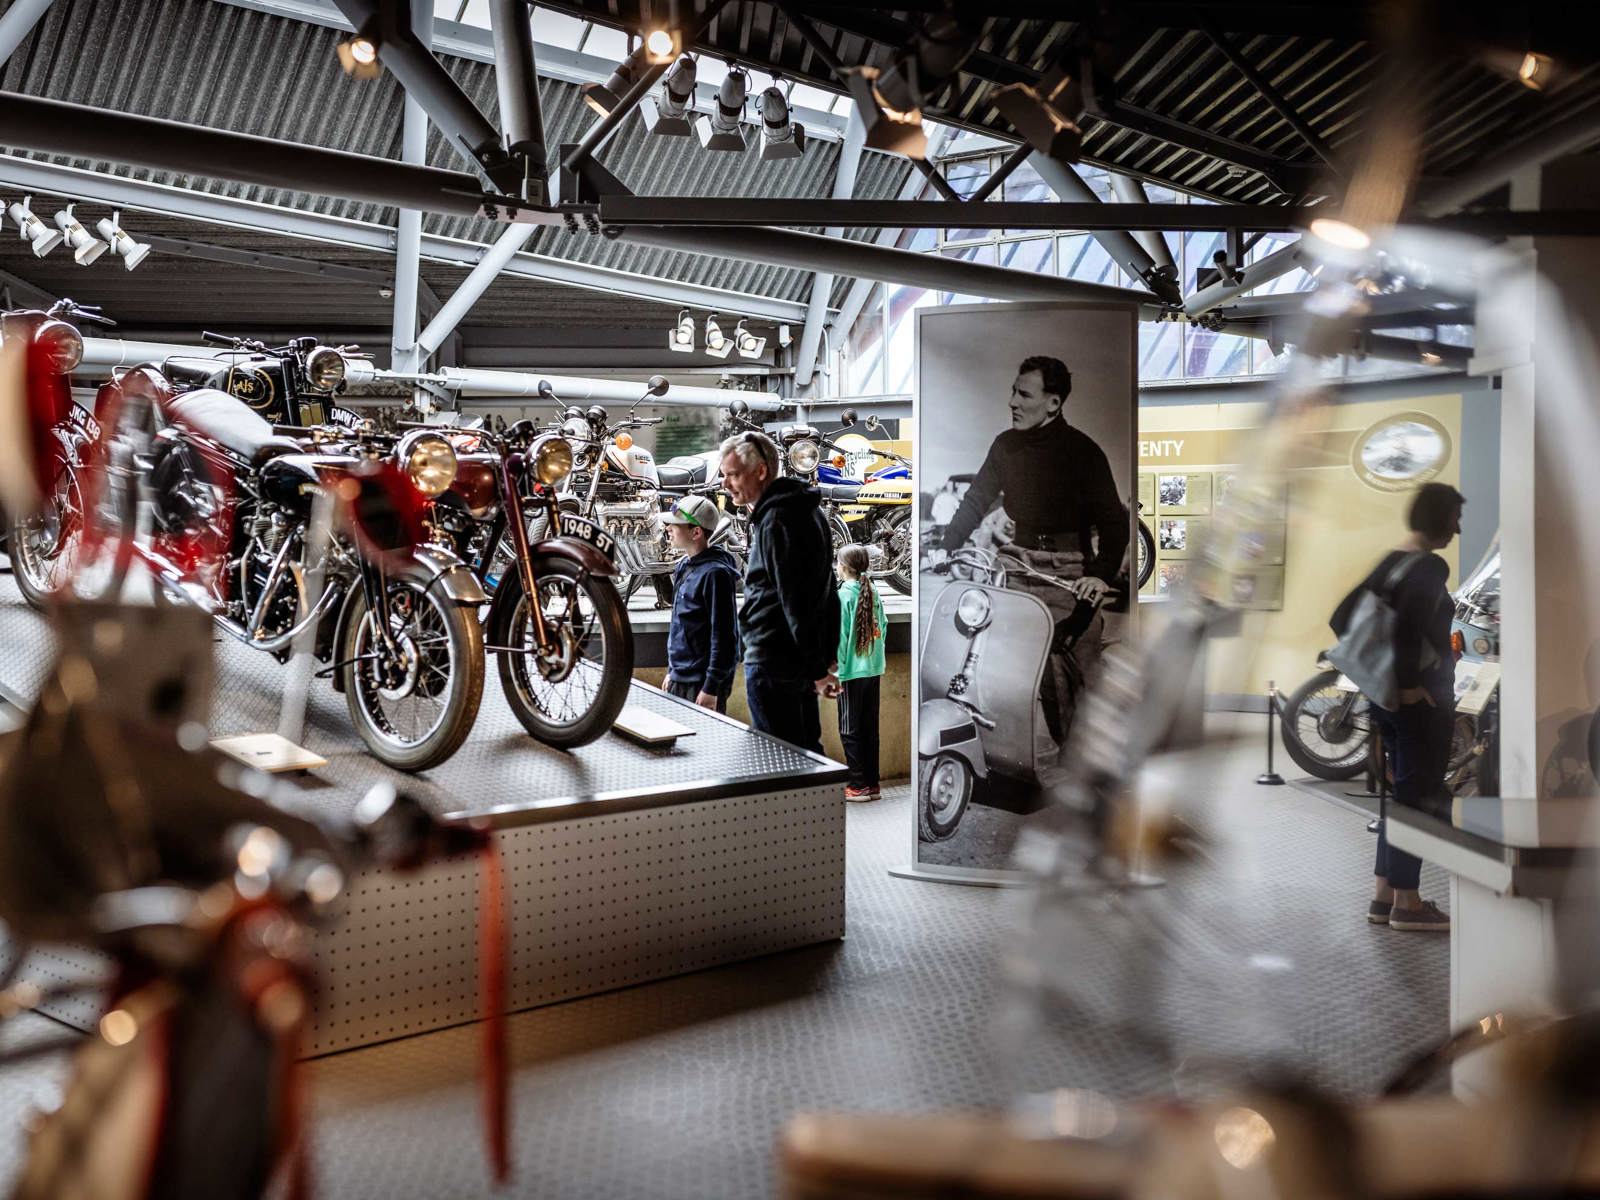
x: 1365, y: 653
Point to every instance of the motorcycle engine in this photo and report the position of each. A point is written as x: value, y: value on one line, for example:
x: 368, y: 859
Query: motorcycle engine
x: 637, y: 525
x: 188, y: 504
x: 266, y: 529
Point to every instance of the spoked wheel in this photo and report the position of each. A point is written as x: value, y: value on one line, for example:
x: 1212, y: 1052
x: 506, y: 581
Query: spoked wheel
x: 838, y: 533
x: 45, y: 546
x: 1325, y: 729
x: 571, y: 694
x: 413, y: 698
x: 1145, y: 545
x: 897, y: 552
x: 943, y: 793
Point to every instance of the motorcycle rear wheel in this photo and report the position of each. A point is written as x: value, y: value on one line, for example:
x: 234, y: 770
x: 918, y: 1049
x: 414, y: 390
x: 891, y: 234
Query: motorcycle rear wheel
x: 583, y: 706
x: 899, y: 546
x: 1335, y: 751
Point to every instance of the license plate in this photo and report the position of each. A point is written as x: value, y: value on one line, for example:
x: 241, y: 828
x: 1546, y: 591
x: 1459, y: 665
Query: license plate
x: 586, y: 530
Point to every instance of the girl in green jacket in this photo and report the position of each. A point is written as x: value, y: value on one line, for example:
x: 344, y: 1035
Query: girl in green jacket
x: 861, y: 636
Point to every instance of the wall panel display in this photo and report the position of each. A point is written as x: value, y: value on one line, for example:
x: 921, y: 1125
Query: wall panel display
x: 1027, y: 413
x: 1183, y: 493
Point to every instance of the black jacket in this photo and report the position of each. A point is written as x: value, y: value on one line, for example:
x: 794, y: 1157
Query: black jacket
x: 1052, y: 479
x: 703, y: 640
x: 790, y: 620
x: 1423, y: 611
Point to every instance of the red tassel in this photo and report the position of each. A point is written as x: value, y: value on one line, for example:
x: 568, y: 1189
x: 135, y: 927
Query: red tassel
x: 492, y: 986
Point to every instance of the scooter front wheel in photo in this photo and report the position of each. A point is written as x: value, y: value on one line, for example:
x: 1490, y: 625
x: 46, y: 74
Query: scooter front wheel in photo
x: 414, y: 705
x: 573, y: 695
x: 943, y: 793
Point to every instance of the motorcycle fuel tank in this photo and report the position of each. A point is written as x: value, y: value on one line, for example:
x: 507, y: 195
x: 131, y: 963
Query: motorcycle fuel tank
x: 635, y: 462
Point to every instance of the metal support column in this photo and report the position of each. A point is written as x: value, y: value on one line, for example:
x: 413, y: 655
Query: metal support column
x: 472, y: 287
x: 844, y: 184
x: 1131, y: 191
x: 1123, y: 247
x: 18, y: 23
x: 403, y: 353
x: 517, y: 80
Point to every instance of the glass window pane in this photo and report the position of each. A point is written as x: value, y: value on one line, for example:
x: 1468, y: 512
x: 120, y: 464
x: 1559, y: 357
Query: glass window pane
x: 552, y: 28
x: 1198, y: 250
x: 605, y: 42
x: 966, y: 176
x: 1264, y: 361
x: 984, y: 254
x: 1209, y: 355
x: 1033, y: 254
x: 918, y: 239
x: 864, y: 356
x: 1081, y: 257
x: 1160, y: 350
x: 903, y: 304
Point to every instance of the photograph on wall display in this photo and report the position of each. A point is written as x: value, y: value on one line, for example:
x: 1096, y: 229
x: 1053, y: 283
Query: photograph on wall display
x: 1188, y: 493
x: 1170, y: 576
x: 1174, y: 490
x: 1032, y: 408
x: 1173, y: 534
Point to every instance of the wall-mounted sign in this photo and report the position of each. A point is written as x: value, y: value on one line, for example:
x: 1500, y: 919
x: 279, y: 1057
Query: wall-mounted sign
x: 1400, y: 452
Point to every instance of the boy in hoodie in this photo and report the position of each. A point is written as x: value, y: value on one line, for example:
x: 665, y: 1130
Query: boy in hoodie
x: 789, y: 624
x: 703, y: 639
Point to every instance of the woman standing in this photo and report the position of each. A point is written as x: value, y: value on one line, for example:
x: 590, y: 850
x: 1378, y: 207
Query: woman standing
x: 1416, y: 735
x: 861, y: 638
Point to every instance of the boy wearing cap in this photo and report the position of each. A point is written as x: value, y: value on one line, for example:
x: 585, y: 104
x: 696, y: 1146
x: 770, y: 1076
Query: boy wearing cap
x: 703, y: 639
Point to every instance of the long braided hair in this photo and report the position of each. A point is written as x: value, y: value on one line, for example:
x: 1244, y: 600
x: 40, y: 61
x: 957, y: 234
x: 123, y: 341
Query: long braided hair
x: 856, y: 560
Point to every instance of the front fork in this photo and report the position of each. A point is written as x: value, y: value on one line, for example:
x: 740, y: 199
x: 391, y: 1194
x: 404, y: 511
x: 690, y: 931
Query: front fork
x: 521, y: 550
x: 376, y: 586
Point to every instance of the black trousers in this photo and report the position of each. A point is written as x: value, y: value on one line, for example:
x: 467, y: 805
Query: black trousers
x: 1416, y: 741
x: 688, y: 691
x: 858, y: 729
x: 785, y: 708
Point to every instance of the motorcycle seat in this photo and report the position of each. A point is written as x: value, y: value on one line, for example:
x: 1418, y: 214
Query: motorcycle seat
x: 228, y: 422
x: 194, y: 372
x: 682, y: 474
x: 839, y: 493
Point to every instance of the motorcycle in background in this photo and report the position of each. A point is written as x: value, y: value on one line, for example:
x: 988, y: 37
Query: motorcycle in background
x: 876, y: 512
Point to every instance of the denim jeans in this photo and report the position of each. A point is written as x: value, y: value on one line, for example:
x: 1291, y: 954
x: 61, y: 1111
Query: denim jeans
x: 1416, y: 740
x: 785, y: 708
x: 858, y: 729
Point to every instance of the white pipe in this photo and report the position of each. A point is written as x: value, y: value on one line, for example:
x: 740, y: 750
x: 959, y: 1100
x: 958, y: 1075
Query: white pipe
x: 101, y: 354
x: 574, y: 389
x: 1251, y: 276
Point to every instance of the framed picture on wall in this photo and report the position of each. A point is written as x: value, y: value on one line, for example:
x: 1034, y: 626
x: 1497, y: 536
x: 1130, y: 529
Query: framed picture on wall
x: 1145, y: 493
x: 1257, y: 589
x: 1178, y: 537
x: 1183, y: 493
x: 1169, y: 576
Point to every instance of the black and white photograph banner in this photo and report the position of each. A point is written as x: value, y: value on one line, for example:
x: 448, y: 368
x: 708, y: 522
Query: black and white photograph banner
x: 1026, y: 436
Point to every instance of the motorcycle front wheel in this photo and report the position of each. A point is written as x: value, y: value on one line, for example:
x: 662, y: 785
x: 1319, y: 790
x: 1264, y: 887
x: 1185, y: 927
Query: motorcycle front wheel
x: 413, y: 710
x: 943, y: 793
x: 898, y: 546
x: 44, y: 547
x: 573, y: 699
x: 1325, y: 729
x: 1145, y: 553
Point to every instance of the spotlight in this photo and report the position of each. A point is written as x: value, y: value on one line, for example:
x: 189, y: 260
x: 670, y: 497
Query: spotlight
x: 1046, y: 114
x: 663, y: 45
x: 888, y: 129
x: 1534, y: 70
x: 720, y: 130
x: 781, y: 135
x: 31, y: 229
x: 891, y: 100
x: 670, y: 114
x: 681, y: 339
x: 1340, y: 234
x: 747, y: 343
x: 124, y: 247
x: 718, y: 345
x: 603, y: 97
x: 85, y: 246
x: 358, y: 53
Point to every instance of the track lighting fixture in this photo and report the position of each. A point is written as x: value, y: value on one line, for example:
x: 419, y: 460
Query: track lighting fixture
x: 1046, y: 114
x: 131, y: 253
x: 891, y: 99
x: 720, y: 129
x: 681, y: 339
x: 718, y: 344
x: 85, y: 246
x: 1340, y: 235
x: 603, y: 97
x: 669, y: 115
x: 781, y: 135
x: 746, y: 343
x: 663, y: 45
x: 358, y: 53
x: 32, y: 230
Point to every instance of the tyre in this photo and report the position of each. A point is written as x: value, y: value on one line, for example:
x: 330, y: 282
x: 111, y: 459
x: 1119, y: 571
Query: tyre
x: 943, y: 792
x: 1145, y: 554
x: 45, y: 547
x: 415, y: 711
x: 838, y: 533
x: 665, y: 589
x: 899, y: 549
x: 573, y: 701
x: 1325, y: 730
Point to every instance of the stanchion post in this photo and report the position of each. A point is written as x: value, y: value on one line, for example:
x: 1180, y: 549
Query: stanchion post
x: 1269, y: 777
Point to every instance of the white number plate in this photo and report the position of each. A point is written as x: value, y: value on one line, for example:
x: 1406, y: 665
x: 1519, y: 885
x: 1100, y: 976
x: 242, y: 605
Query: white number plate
x: 585, y: 530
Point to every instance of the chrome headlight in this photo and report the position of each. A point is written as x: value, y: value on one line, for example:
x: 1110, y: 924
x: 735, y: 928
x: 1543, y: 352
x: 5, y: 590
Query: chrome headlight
x: 428, y: 462
x: 62, y: 345
x: 325, y: 368
x: 804, y: 456
x: 552, y: 459
x: 973, y: 611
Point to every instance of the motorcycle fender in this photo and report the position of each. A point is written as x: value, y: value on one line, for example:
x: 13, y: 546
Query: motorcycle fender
x: 944, y: 727
x: 585, y: 555
x: 448, y: 573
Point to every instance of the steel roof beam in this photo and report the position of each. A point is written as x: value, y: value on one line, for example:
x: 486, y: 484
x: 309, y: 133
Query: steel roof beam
x: 1121, y: 245
x: 207, y: 252
x: 1004, y: 171
x: 18, y: 23
x: 844, y: 184
x: 516, y: 79
x: 25, y: 294
x: 1131, y: 191
x: 472, y: 288
x: 1267, y: 91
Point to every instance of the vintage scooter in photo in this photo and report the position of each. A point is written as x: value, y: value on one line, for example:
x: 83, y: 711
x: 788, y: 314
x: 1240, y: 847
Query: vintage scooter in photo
x: 984, y: 656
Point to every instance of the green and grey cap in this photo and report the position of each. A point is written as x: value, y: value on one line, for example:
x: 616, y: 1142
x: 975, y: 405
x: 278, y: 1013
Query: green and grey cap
x: 693, y: 510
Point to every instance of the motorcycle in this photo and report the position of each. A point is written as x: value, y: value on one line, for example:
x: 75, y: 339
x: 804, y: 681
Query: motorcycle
x: 565, y: 658
x: 44, y: 545
x: 986, y: 716
x: 219, y: 510
x: 876, y: 513
x: 1327, y: 722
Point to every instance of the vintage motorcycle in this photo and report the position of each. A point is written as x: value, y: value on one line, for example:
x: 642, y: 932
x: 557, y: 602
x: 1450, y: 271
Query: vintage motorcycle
x: 566, y: 656
x: 200, y: 491
x: 44, y: 544
x: 876, y: 511
x: 981, y: 713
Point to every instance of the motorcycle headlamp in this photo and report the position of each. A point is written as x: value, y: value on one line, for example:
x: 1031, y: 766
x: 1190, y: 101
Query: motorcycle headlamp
x: 325, y: 368
x: 428, y: 462
x: 804, y: 457
x: 973, y: 611
x: 552, y: 460
x: 61, y: 346
x: 1480, y: 645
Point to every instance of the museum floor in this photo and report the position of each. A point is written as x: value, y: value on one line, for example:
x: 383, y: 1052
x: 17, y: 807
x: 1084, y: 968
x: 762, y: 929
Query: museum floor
x: 678, y: 1088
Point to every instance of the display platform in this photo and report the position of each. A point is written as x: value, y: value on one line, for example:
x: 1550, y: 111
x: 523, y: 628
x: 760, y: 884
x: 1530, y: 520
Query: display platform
x: 623, y: 863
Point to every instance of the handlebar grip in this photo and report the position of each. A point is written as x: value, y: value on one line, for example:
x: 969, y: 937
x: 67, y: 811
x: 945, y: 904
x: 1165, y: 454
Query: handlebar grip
x: 218, y: 339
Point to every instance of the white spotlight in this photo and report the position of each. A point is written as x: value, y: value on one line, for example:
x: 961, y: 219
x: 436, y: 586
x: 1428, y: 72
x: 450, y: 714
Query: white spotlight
x: 747, y: 343
x: 32, y: 230
x: 718, y: 344
x: 670, y: 114
x: 681, y: 339
x: 720, y: 130
x: 131, y: 253
x: 781, y: 135
x: 85, y: 246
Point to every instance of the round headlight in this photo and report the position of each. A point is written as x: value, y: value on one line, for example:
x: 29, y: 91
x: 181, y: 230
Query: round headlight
x: 61, y: 346
x: 430, y: 464
x: 552, y: 460
x: 1480, y: 645
x: 575, y: 429
x: 804, y: 456
x: 973, y: 610
x: 325, y: 368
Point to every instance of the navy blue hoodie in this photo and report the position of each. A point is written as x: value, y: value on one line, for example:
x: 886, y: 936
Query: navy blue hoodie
x: 790, y: 619
x: 703, y: 641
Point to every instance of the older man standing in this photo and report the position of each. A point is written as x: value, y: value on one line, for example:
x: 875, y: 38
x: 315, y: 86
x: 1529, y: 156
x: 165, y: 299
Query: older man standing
x: 790, y: 621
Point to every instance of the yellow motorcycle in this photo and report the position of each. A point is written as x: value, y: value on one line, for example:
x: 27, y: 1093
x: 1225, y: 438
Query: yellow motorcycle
x: 875, y: 512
